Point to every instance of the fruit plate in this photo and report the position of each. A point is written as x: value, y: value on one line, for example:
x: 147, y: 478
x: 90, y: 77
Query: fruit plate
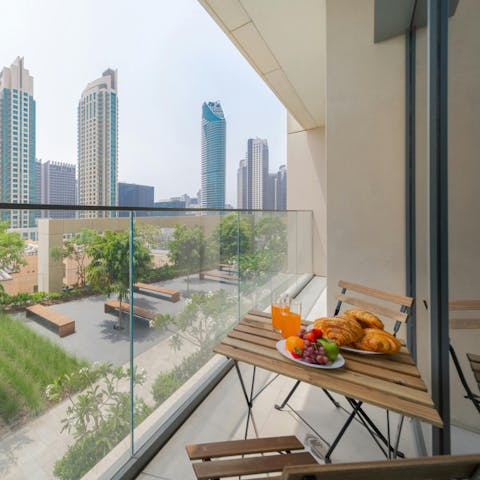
x: 339, y: 361
x: 361, y: 352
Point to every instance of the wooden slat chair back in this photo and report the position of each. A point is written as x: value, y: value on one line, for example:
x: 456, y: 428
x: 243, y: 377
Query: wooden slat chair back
x: 256, y: 456
x: 399, y: 312
x: 462, y: 323
x: 445, y: 467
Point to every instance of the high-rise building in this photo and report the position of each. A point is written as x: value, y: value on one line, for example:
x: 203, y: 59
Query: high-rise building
x: 242, y: 191
x: 281, y: 188
x: 257, y: 172
x: 98, y: 143
x: 269, y: 196
x: 17, y: 143
x: 58, y: 186
x: 133, y: 195
x: 213, y: 155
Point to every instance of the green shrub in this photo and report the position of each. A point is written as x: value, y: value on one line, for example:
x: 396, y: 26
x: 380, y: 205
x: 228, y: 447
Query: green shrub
x: 168, y: 382
x: 98, y: 418
x: 86, y: 452
x: 165, y: 272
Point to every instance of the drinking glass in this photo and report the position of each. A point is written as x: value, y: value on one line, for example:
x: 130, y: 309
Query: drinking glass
x: 279, y: 309
x: 292, y: 320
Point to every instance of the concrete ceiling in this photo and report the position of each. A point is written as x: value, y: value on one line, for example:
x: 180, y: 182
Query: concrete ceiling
x: 285, y: 42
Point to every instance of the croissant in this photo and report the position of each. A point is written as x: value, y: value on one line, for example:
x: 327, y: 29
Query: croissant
x: 341, y: 330
x: 364, y: 318
x: 375, y: 340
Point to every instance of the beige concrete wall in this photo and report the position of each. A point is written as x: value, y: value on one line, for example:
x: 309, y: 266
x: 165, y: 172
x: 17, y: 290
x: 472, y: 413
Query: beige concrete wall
x: 306, y: 187
x: 365, y: 151
x: 464, y: 201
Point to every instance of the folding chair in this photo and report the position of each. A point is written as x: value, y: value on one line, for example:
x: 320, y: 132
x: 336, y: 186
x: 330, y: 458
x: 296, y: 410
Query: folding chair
x: 247, y: 457
x: 385, y: 310
x: 466, y: 323
x: 444, y: 467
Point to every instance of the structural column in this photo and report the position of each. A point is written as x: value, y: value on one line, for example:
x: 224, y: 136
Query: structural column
x: 438, y: 213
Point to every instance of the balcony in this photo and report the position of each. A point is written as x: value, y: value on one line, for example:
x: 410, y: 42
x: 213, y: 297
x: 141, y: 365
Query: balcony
x: 365, y: 86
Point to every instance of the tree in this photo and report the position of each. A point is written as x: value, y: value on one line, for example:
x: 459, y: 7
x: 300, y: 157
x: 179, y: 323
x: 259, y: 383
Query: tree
x: 76, y: 249
x: 203, y: 321
x: 109, y: 268
x: 187, y: 250
x: 12, y: 248
x: 234, y: 233
x: 271, y: 238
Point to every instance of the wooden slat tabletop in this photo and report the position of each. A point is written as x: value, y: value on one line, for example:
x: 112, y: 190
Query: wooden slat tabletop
x: 389, y: 381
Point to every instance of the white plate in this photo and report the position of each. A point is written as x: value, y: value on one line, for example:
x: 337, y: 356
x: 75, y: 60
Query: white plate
x: 362, y: 352
x: 339, y: 361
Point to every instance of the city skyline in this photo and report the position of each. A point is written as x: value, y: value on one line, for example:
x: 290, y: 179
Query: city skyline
x: 162, y: 88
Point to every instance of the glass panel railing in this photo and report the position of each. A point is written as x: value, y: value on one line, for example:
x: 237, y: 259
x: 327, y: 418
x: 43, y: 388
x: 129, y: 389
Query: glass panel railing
x: 73, y: 329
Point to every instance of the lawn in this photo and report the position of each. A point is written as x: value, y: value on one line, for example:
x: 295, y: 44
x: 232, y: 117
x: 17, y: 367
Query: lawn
x: 28, y: 363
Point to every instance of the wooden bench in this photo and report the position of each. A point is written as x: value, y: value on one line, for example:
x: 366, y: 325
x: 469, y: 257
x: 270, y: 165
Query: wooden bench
x: 172, y: 295
x: 62, y: 324
x: 222, y: 276
x: 113, y: 306
x: 225, y: 267
x: 444, y: 467
x: 462, y: 323
x: 213, y: 462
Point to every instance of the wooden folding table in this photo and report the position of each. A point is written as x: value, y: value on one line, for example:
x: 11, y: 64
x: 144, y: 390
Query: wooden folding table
x: 390, y: 381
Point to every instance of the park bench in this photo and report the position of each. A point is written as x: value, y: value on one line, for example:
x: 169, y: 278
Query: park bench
x: 172, y: 295
x: 113, y: 306
x: 225, y: 267
x: 222, y: 276
x: 61, y: 324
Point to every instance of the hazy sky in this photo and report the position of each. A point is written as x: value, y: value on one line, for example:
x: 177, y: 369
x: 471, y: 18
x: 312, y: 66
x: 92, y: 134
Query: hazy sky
x: 170, y: 56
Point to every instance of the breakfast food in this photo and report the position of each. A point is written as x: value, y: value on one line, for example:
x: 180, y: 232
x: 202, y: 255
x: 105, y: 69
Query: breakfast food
x: 375, y: 340
x: 310, y: 347
x: 364, y: 318
x: 342, y: 330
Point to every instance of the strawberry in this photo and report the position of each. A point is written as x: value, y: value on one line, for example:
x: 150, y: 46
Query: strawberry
x: 317, y: 332
x: 311, y: 337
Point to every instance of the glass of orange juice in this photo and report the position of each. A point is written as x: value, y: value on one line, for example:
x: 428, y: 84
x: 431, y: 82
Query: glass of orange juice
x: 279, y: 310
x: 292, y: 320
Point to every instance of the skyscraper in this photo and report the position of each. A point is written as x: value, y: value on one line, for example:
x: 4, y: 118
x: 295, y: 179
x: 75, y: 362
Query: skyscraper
x: 242, y: 191
x: 133, y: 195
x: 17, y: 143
x: 213, y: 155
x: 58, y: 186
x: 257, y: 172
x: 281, y: 188
x: 98, y: 143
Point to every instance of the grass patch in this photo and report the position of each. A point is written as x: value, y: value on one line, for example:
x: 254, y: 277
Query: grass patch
x: 28, y: 363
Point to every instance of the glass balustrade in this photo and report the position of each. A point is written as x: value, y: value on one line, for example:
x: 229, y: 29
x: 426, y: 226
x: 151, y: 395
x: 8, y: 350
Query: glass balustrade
x: 109, y: 320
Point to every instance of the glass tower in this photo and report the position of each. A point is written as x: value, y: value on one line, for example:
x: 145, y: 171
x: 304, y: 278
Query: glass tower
x: 213, y: 155
x: 17, y: 143
x: 97, y: 143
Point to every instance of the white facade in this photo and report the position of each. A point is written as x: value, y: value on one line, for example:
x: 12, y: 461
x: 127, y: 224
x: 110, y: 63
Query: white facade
x: 257, y: 168
x: 98, y: 143
x: 17, y: 142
